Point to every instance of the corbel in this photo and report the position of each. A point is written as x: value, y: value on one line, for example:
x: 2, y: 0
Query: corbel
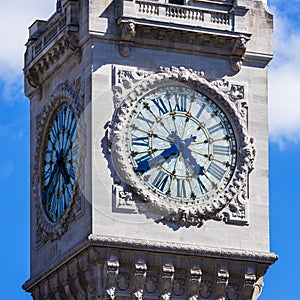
x: 249, y: 283
x: 45, y: 290
x: 194, y: 283
x: 64, y: 279
x: 71, y: 42
x: 54, y: 283
x: 140, y: 278
x: 89, y: 277
x: 166, y: 281
x: 75, y: 274
x: 112, y: 271
x: 222, y: 282
x: 128, y: 34
x: 237, y: 53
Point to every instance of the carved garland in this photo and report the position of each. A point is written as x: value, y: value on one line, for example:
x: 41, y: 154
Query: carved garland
x: 45, y: 229
x: 182, y: 214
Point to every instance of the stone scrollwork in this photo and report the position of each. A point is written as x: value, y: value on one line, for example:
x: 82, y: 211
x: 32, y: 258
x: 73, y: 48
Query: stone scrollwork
x: 231, y: 204
x: 125, y: 79
x: 236, y: 94
x: 46, y: 230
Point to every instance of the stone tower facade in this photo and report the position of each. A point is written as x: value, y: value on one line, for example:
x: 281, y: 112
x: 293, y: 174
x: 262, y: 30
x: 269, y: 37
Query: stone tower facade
x: 111, y: 86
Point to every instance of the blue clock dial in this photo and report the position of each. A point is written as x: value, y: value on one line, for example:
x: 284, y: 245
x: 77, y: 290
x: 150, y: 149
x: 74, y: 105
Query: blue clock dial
x: 60, y: 159
x: 181, y: 145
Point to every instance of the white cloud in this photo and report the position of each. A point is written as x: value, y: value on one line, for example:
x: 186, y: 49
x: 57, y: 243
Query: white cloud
x: 284, y: 96
x: 15, y: 18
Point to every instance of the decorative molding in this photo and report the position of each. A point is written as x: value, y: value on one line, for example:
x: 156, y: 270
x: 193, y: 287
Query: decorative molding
x: 184, y: 28
x: 230, y: 205
x: 46, y: 230
x: 123, y: 199
x: 180, y: 248
x: 151, y: 276
x: 125, y: 78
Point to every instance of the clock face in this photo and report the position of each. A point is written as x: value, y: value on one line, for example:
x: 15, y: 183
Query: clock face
x: 60, y: 158
x: 181, y: 145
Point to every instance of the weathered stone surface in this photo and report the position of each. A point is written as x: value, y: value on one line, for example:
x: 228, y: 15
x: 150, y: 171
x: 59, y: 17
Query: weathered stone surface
x: 111, y: 243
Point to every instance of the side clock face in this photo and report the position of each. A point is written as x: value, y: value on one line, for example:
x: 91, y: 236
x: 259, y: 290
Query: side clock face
x: 181, y: 145
x: 60, y: 158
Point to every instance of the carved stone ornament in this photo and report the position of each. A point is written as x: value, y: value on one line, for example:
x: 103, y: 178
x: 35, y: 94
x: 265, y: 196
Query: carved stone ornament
x: 128, y: 33
x: 126, y: 96
x: 47, y: 230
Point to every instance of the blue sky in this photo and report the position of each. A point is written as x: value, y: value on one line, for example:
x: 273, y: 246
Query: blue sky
x: 281, y: 282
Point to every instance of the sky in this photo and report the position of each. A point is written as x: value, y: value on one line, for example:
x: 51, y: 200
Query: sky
x: 281, y: 281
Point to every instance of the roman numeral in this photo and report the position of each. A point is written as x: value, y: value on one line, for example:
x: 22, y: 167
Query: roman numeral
x: 220, y: 150
x: 200, y: 111
x: 140, y: 141
x: 214, y: 128
x: 61, y: 119
x: 73, y: 174
x: 202, y: 187
x: 159, y: 103
x: 180, y: 100
x: 160, y: 180
x: 216, y: 171
x: 54, y: 132
x: 75, y: 150
x: 181, y: 188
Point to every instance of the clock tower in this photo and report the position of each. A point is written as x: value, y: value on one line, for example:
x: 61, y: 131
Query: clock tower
x: 149, y: 149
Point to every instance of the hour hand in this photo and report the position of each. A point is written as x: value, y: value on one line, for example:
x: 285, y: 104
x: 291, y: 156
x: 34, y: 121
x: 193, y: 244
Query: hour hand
x: 146, y: 164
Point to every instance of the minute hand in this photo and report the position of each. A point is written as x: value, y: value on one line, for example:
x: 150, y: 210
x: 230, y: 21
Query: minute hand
x: 146, y: 165
x: 187, y: 154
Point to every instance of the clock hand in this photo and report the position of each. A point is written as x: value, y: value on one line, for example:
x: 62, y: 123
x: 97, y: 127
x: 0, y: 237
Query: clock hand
x: 187, y: 154
x: 64, y: 173
x: 52, y: 181
x: 145, y: 165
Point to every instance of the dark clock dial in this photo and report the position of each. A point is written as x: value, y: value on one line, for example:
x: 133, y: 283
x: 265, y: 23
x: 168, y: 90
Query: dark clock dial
x: 181, y: 145
x: 60, y: 158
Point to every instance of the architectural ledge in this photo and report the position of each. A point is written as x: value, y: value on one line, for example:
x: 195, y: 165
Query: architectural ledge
x: 136, y: 269
x: 177, y: 248
x: 185, y: 38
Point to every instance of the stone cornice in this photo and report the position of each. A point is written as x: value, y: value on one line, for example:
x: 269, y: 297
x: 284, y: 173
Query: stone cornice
x: 183, y: 249
x: 112, y: 254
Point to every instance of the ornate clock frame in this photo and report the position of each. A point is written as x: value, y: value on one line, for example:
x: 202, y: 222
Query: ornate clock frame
x: 65, y: 92
x: 231, y: 204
